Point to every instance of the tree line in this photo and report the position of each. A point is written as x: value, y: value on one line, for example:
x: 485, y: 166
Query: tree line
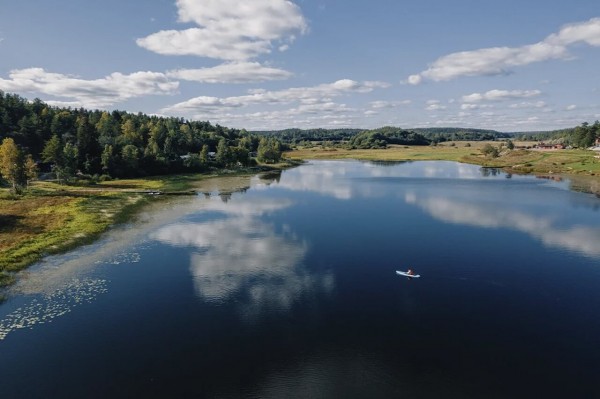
x: 344, y: 136
x: 582, y: 136
x: 93, y: 143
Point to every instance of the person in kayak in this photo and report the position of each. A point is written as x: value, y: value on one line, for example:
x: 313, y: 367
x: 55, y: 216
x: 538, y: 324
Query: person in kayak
x: 410, y: 272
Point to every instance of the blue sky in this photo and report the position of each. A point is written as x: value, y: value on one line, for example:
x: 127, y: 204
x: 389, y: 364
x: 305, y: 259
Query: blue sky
x: 275, y: 64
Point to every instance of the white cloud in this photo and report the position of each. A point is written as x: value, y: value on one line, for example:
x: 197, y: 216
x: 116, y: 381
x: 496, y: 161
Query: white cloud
x: 96, y: 93
x: 305, y: 95
x: 527, y: 104
x: 229, y: 29
x: 415, y: 79
x: 434, y: 105
x: 501, y: 60
x: 388, y: 104
x: 571, y: 107
x: 499, y: 95
x: 467, y: 107
x: 233, y: 72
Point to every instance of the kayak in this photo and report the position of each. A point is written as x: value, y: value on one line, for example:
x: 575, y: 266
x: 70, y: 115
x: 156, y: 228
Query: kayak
x: 407, y: 275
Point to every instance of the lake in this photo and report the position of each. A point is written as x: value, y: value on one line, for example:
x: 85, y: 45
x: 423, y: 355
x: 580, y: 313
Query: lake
x: 284, y: 286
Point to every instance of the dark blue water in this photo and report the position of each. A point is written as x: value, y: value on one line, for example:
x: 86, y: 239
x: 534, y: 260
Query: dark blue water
x: 287, y: 288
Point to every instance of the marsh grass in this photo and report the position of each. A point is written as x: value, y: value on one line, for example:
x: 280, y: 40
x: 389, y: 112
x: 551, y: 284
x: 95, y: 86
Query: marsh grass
x: 52, y: 218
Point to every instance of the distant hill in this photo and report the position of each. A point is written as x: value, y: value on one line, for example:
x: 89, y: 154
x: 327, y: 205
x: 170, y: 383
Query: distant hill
x: 440, y: 134
x: 295, y: 136
x: 581, y: 136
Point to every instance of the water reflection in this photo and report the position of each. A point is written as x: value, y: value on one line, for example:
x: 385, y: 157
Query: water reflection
x: 575, y: 237
x: 337, y: 178
x: 243, y: 257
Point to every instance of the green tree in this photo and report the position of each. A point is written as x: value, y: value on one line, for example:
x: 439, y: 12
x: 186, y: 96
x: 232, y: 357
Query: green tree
x: 53, y: 153
x: 87, y: 144
x: 204, y: 155
x: 130, y: 157
x: 31, y: 169
x: 510, y: 145
x: 240, y: 155
x: 70, y: 155
x: 269, y: 150
x: 130, y: 134
x: 63, y: 125
x: 108, y: 129
x: 12, y: 165
x: 108, y: 159
x: 223, y: 156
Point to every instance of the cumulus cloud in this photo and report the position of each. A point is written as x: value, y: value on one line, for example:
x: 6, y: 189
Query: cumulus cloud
x: 571, y: 107
x: 502, y: 60
x: 229, y: 29
x: 233, y: 72
x: 305, y: 95
x: 500, y: 95
x: 97, y: 93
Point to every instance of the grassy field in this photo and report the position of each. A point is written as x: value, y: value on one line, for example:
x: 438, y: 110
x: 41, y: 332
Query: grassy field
x: 52, y: 218
x: 580, y: 162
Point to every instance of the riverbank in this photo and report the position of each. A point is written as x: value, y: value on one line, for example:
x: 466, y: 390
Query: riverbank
x: 568, y: 162
x: 52, y: 218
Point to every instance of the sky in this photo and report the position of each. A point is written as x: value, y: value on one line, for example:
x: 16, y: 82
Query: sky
x: 275, y: 64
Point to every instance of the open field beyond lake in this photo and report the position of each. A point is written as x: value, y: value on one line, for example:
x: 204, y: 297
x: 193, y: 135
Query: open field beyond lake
x: 579, y: 162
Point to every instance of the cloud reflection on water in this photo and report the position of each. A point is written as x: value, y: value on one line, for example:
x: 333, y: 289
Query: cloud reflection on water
x: 579, y: 238
x: 244, y: 258
x: 337, y: 179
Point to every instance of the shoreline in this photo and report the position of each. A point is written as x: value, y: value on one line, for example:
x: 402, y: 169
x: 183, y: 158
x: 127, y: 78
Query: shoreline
x: 52, y: 219
x: 580, y: 166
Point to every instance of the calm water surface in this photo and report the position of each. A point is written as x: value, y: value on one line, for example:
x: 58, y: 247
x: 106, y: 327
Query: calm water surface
x: 286, y: 288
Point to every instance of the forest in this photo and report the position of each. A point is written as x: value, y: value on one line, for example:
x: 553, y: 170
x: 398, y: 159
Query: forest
x: 98, y: 144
